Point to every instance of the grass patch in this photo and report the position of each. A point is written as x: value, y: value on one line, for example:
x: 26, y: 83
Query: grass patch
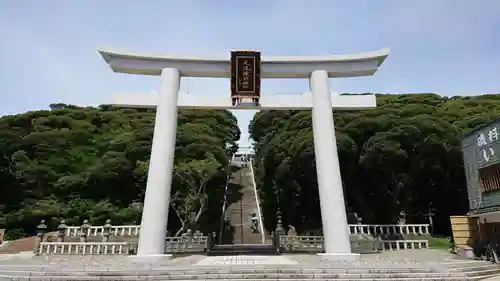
x: 443, y: 243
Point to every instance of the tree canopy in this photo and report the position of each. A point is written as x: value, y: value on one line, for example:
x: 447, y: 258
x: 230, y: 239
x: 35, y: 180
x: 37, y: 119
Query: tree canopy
x: 404, y: 155
x: 91, y: 163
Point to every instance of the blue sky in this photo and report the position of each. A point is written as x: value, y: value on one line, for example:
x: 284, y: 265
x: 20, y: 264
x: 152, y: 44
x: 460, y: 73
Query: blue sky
x: 48, y: 48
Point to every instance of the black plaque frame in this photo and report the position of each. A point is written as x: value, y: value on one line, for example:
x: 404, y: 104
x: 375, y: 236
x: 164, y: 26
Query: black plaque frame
x: 240, y: 59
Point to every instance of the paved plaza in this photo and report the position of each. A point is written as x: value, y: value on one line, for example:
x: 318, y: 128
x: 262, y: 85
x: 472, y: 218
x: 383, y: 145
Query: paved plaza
x: 403, y: 259
x: 411, y: 258
x: 405, y: 265
x: 246, y: 260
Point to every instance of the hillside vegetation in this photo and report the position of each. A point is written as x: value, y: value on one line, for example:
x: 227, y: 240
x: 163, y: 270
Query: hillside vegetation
x: 91, y: 163
x: 404, y: 155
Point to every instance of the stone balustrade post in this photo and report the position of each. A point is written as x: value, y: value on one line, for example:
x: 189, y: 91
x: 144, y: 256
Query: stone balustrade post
x: 294, y: 241
x: 61, y: 231
x: 84, y: 231
x: 106, y: 231
x: 208, y: 244
x: 359, y: 219
x: 402, y: 218
x: 276, y: 240
x: 280, y: 231
x: 189, y: 237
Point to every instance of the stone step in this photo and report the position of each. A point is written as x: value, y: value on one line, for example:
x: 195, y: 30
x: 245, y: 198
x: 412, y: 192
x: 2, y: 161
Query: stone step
x: 249, y: 269
x: 227, y: 269
x: 243, y: 249
x: 471, y: 268
x: 239, y: 212
x: 190, y: 275
x: 482, y: 272
x: 493, y: 277
x: 243, y: 278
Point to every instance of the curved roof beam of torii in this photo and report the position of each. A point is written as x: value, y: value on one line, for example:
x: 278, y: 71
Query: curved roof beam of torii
x: 351, y: 65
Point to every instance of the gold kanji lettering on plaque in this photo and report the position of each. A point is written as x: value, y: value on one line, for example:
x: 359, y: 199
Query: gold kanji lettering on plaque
x: 245, y: 74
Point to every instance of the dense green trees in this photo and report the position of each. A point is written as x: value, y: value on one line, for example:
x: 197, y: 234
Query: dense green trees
x: 91, y: 163
x: 402, y: 156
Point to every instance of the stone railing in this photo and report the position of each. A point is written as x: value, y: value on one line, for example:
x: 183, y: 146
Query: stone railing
x: 315, y: 244
x: 402, y: 229
x: 85, y: 248
x: 106, y: 239
x: 174, y: 245
x: 115, y: 230
x: 369, y: 229
x: 186, y: 244
x: 364, y: 238
x: 257, y: 203
x: 97, y: 240
x: 396, y: 245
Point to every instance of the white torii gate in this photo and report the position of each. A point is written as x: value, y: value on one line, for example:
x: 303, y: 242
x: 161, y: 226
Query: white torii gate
x: 318, y: 69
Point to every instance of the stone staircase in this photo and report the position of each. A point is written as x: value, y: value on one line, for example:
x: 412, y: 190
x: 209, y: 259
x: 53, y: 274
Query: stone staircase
x: 240, y: 211
x: 243, y: 249
x: 475, y: 269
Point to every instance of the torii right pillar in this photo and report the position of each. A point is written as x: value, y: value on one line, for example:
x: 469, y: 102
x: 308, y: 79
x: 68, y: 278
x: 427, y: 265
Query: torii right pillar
x: 336, y: 233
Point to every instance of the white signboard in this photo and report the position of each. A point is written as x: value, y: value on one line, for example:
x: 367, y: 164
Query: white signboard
x: 484, y: 139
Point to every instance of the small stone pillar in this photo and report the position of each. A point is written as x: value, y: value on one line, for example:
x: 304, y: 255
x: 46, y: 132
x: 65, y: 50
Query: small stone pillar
x: 359, y: 219
x: 189, y: 236
x: 294, y: 242
x: 61, y: 231
x: 402, y: 218
x: 274, y: 240
x: 84, y: 229
x: 210, y: 242
x: 280, y: 231
x: 41, y: 230
x: 106, y: 231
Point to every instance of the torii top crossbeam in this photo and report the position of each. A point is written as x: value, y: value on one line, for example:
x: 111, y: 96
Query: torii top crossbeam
x: 351, y: 65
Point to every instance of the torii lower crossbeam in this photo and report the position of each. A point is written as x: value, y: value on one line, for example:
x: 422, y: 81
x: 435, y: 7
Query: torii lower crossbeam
x: 320, y: 100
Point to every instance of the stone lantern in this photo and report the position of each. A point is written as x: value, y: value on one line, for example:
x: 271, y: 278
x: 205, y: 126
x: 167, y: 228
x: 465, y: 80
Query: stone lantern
x: 41, y: 230
x: 84, y: 229
x: 61, y: 231
x: 106, y: 231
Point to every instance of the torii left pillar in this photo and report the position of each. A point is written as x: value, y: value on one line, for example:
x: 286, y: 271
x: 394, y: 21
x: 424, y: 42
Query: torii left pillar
x: 161, y: 163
